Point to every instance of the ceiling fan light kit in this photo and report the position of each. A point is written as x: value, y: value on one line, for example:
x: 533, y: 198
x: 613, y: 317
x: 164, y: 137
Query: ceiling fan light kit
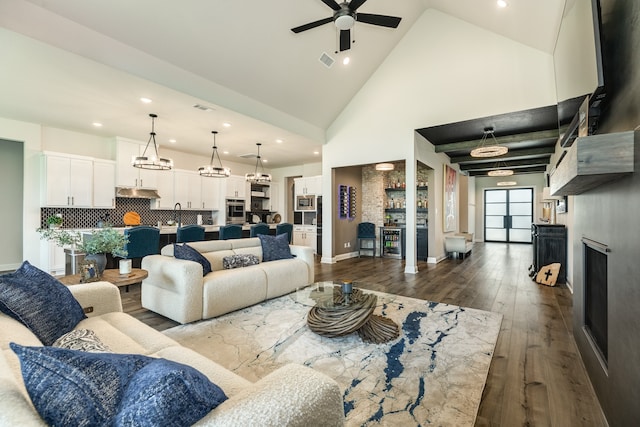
x: 258, y: 177
x: 153, y: 161
x: 210, y: 170
x: 489, y: 150
x: 344, y: 18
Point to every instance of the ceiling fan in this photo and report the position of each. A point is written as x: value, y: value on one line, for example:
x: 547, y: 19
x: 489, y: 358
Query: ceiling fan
x: 345, y: 16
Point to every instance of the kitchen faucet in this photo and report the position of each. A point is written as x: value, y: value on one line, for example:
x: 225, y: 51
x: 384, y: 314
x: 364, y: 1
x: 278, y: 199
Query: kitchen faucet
x: 179, y: 218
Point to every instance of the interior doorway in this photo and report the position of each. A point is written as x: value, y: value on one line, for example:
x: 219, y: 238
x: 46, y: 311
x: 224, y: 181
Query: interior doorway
x: 508, y: 214
x: 11, y: 188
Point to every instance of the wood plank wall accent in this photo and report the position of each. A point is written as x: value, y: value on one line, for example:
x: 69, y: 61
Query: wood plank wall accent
x: 592, y: 161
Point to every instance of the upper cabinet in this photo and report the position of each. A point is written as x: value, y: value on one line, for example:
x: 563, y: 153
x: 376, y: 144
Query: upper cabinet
x: 235, y: 187
x: 68, y: 181
x: 77, y: 182
x: 127, y: 175
x: 308, y: 186
x: 211, y: 193
x: 104, y: 184
x: 187, y: 189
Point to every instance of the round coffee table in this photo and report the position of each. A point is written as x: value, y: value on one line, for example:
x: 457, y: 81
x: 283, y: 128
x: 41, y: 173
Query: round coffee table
x: 336, y: 313
x: 111, y: 275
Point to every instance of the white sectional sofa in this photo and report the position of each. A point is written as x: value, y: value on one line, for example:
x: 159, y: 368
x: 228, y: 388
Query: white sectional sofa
x: 290, y: 396
x: 176, y: 288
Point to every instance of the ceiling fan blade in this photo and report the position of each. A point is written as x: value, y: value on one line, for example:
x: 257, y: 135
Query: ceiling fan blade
x: 356, y: 4
x: 311, y: 25
x: 345, y: 40
x: 381, y: 20
x: 332, y: 4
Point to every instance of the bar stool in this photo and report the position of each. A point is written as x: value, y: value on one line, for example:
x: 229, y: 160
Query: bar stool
x: 366, y: 231
x: 190, y: 233
x: 256, y: 229
x: 231, y: 231
x: 283, y: 228
x: 143, y: 240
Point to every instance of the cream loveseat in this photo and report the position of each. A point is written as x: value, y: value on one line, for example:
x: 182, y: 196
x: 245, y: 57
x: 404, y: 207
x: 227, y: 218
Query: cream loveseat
x: 290, y: 396
x: 176, y: 288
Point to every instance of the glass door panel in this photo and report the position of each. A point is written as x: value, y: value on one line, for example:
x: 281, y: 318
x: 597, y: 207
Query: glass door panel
x: 508, y: 215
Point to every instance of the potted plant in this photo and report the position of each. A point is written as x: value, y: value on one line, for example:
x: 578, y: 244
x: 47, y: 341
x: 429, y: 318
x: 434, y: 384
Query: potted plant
x: 54, y: 221
x: 61, y: 237
x: 102, y: 242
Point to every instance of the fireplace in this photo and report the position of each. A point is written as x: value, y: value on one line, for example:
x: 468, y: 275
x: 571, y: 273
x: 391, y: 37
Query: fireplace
x: 595, y: 296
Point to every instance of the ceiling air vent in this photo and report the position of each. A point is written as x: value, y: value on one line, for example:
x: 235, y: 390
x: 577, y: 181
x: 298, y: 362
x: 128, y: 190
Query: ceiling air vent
x: 203, y: 107
x: 326, y: 60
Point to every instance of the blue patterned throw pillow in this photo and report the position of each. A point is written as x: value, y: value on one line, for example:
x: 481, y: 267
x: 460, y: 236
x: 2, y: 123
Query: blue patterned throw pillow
x: 40, y: 302
x: 185, y: 251
x: 166, y: 393
x: 76, y: 388
x: 275, y: 247
x: 239, y: 260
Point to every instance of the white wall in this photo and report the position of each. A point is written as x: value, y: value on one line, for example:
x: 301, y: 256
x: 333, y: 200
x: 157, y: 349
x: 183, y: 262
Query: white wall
x: 444, y: 70
x: 11, y: 177
x: 30, y: 135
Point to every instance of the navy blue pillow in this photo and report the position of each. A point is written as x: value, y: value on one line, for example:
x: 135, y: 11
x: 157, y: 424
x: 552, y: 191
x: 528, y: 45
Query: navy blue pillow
x: 275, y: 247
x: 40, y: 302
x: 185, y: 251
x: 76, y: 388
x: 166, y: 393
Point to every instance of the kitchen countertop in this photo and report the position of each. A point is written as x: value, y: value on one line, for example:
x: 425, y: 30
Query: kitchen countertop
x: 172, y: 229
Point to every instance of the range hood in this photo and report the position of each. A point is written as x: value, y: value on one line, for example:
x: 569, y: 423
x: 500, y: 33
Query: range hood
x: 136, y: 193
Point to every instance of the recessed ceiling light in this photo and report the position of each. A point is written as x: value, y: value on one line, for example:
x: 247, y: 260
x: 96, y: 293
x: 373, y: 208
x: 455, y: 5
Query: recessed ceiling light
x: 265, y: 161
x: 316, y: 153
x: 146, y: 100
x: 502, y: 3
x: 173, y: 141
x: 96, y: 124
x: 346, y: 60
x: 225, y: 152
x: 226, y: 124
x: 279, y: 141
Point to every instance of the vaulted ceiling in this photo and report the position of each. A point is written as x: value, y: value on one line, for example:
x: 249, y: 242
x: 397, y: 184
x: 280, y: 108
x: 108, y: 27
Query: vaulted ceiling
x: 70, y: 63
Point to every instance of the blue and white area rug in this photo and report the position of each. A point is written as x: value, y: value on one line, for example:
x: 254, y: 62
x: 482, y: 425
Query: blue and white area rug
x: 433, y: 374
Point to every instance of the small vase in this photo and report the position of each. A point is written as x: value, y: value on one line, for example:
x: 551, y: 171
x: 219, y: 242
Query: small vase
x: 100, y: 261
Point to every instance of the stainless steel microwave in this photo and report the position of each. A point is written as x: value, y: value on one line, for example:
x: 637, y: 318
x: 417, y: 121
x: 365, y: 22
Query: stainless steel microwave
x: 306, y: 203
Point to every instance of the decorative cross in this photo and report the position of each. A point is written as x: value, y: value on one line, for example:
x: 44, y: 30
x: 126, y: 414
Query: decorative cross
x: 547, y: 274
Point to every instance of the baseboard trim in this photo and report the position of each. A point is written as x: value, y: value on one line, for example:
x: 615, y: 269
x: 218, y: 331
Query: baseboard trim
x: 9, y: 267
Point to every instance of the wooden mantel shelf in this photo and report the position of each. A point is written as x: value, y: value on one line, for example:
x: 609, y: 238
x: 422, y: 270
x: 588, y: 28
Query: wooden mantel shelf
x: 591, y: 161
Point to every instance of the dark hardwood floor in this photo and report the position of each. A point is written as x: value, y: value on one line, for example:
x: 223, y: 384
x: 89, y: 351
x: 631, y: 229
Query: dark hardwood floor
x: 536, y: 377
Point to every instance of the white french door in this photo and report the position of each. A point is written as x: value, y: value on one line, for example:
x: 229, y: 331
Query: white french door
x: 508, y: 215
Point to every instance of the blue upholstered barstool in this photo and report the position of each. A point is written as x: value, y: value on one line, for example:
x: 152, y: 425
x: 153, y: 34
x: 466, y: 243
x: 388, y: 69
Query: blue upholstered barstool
x: 366, y: 231
x: 283, y: 228
x: 256, y: 229
x: 190, y: 233
x: 143, y: 240
x: 231, y: 231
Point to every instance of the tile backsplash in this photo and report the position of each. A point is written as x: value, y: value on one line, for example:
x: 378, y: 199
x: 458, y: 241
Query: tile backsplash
x: 88, y: 218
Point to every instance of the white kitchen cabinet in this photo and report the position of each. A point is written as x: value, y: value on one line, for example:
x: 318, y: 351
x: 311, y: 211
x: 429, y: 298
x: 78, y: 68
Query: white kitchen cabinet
x: 68, y: 181
x: 235, y: 187
x: 187, y: 190
x: 54, y: 258
x: 127, y: 175
x: 305, y: 235
x: 308, y: 186
x: 165, y: 190
x: 211, y: 193
x: 104, y: 184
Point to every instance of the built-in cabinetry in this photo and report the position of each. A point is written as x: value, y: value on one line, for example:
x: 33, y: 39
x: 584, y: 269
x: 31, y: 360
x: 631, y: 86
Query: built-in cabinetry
x: 310, y: 185
x: 192, y: 191
x: 235, y: 187
x: 104, y: 184
x: 549, y: 246
x: 422, y: 238
x: 305, y: 235
x: 53, y: 258
x: 78, y: 182
x: 187, y: 189
x: 127, y: 175
x: 396, y: 203
x: 260, y: 202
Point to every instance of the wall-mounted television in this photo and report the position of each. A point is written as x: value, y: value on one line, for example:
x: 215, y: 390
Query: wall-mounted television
x: 578, y: 66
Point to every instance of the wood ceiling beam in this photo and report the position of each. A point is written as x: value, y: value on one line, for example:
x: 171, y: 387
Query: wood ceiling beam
x: 535, y: 169
x: 504, y: 165
x: 512, y: 154
x: 506, y: 139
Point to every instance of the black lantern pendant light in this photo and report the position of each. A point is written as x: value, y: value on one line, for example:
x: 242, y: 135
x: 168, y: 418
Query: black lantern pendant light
x: 152, y: 160
x: 210, y: 170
